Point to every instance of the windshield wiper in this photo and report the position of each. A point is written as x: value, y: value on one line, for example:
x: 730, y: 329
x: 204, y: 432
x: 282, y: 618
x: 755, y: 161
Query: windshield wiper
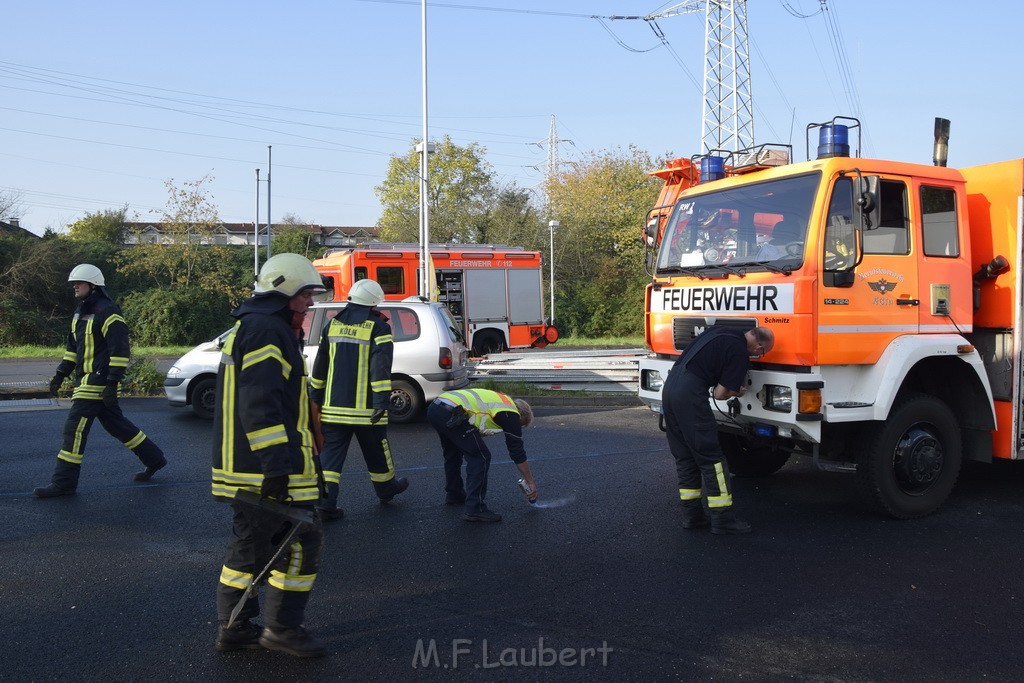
x: 785, y: 270
x: 685, y: 270
x: 731, y: 269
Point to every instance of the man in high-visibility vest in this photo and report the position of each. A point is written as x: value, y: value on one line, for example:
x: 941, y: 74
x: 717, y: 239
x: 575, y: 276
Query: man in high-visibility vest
x: 462, y: 418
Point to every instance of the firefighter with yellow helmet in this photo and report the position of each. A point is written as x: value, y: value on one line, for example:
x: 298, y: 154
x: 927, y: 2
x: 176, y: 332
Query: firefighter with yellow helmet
x: 263, y: 442
x: 351, y: 381
x: 97, y: 354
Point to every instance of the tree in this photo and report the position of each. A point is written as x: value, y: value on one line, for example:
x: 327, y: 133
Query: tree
x: 108, y: 225
x: 600, y: 205
x: 10, y: 204
x: 188, y: 222
x: 460, y: 195
x: 513, y: 220
x: 294, y: 235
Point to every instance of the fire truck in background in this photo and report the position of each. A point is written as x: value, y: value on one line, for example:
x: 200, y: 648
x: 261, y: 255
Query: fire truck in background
x: 495, y: 292
x: 895, y: 299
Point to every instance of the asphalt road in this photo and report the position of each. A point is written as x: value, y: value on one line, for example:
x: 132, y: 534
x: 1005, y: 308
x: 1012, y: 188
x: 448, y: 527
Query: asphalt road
x: 117, y: 582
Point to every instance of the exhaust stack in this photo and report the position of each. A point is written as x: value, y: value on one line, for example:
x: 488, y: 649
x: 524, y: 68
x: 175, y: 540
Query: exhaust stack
x: 940, y: 153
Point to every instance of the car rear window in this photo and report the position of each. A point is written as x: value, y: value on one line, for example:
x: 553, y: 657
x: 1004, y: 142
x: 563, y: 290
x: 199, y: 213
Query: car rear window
x: 405, y: 324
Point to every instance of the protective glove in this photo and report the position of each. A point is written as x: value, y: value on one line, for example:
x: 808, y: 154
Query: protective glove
x: 110, y: 395
x: 56, y: 383
x: 377, y: 415
x: 275, y: 487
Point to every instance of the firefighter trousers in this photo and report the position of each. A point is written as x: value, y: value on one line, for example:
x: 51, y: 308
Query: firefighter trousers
x: 693, y: 439
x: 255, y: 537
x: 373, y: 442
x: 76, y: 432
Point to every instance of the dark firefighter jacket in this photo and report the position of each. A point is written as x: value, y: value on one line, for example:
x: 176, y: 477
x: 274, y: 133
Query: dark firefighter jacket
x: 352, y: 372
x: 97, y: 348
x: 261, y: 421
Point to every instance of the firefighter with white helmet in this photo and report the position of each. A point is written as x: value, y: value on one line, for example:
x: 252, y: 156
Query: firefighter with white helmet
x: 263, y: 442
x: 96, y: 354
x: 351, y: 381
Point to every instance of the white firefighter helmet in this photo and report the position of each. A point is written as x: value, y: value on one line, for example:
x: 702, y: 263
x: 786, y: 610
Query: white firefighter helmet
x: 525, y: 412
x: 366, y: 293
x: 287, y: 274
x: 86, y: 272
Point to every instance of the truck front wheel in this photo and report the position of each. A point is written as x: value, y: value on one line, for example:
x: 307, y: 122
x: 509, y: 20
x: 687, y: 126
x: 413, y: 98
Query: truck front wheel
x: 912, y: 460
x: 749, y: 460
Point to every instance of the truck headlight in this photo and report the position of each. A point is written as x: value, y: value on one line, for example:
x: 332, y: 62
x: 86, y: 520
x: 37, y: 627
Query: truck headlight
x: 778, y: 398
x: 651, y: 380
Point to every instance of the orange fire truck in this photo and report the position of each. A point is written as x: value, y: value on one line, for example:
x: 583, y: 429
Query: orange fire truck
x: 494, y: 291
x: 895, y: 298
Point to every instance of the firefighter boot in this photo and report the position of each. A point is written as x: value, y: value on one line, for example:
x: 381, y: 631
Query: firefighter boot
x: 64, y: 482
x: 295, y: 641
x: 389, y: 490
x: 242, y: 635
x: 693, y: 515
x: 147, y: 474
x: 725, y: 522
x: 328, y: 508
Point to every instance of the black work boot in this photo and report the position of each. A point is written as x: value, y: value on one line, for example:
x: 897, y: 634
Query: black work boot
x: 51, y: 491
x: 147, y: 474
x: 726, y: 523
x: 63, y: 483
x: 329, y: 514
x: 327, y: 507
x: 243, y: 635
x: 392, y: 489
x: 295, y: 641
x: 482, y: 514
x: 693, y: 515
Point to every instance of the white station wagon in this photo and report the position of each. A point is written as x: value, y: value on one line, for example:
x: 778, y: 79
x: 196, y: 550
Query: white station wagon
x: 430, y: 358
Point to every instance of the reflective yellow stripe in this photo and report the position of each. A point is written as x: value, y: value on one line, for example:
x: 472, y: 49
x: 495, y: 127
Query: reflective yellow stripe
x: 234, y: 578
x: 135, y: 440
x: 266, y: 437
x: 300, y: 583
x: 381, y: 477
x: 689, y: 494
x: 332, y: 477
x: 381, y: 385
x: 719, y: 501
x: 110, y: 321
x: 73, y: 458
x: 118, y: 361
x: 268, y: 352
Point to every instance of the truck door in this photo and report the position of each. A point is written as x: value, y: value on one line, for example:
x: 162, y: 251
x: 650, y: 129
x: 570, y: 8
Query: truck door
x: 858, y: 322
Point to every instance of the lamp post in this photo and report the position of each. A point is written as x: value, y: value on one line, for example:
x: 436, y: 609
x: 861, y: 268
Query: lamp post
x: 551, y: 228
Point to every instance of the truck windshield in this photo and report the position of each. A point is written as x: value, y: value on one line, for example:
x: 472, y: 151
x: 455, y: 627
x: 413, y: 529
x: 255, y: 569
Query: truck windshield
x: 760, y: 223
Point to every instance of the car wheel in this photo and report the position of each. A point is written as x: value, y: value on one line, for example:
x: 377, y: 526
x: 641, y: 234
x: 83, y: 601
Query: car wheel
x: 406, y: 402
x: 204, y: 397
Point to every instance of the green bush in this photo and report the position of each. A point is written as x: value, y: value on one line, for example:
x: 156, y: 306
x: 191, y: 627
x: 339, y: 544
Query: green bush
x: 184, y: 315
x: 142, y: 378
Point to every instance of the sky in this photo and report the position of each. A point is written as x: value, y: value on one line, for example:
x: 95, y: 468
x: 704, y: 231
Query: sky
x: 102, y: 104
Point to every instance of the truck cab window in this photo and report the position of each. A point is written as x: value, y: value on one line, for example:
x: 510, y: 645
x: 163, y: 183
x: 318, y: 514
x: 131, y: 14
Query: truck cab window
x: 840, y: 241
x: 891, y: 235
x: 938, y: 221
x: 391, y: 279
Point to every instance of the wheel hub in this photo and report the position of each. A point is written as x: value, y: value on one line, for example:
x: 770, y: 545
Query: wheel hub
x: 918, y: 460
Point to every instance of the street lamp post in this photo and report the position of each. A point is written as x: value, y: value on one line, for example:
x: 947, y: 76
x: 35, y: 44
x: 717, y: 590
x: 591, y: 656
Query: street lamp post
x: 552, y: 225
